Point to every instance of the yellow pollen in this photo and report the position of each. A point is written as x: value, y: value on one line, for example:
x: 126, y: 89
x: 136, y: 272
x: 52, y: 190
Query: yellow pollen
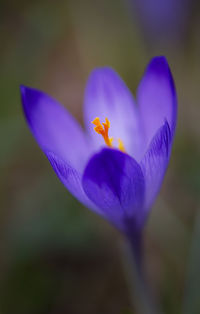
x: 102, y: 128
x: 121, y: 145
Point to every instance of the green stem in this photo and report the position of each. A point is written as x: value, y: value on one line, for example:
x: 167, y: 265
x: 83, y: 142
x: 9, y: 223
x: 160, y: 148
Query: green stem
x: 141, y: 292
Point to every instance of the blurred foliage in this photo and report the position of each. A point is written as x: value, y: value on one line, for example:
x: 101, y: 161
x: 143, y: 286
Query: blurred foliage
x: 56, y: 256
x: 191, y: 302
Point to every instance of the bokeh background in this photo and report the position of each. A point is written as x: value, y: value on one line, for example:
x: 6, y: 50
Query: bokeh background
x: 56, y: 256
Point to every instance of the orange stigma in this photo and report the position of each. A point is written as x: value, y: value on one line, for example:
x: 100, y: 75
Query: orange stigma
x: 102, y: 128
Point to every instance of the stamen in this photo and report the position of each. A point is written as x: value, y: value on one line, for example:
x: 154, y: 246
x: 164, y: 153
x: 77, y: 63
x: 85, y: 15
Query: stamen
x: 121, y: 145
x: 102, y: 128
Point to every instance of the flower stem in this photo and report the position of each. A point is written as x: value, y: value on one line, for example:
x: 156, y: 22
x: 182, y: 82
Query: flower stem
x: 135, y: 246
x: 141, y: 293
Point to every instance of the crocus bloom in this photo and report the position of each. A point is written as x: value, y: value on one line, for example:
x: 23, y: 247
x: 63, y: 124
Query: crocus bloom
x: 116, y: 166
x: 163, y: 22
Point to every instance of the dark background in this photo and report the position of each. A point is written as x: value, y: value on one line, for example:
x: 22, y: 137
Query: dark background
x: 56, y: 256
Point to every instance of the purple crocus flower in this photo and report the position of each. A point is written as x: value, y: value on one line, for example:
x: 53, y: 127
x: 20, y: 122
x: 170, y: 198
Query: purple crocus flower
x: 118, y: 177
x: 163, y: 21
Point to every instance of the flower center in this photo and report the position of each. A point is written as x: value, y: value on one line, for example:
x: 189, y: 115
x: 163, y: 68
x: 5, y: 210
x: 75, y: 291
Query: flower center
x: 102, y: 128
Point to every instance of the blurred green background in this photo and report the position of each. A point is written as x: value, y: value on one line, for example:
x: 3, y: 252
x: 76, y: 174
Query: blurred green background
x: 56, y: 256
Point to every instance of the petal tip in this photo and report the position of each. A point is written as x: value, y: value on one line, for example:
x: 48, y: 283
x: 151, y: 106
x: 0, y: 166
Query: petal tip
x: 29, y: 96
x: 30, y: 100
x: 102, y: 72
x: 24, y: 89
x: 159, y: 64
x: 23, y: 92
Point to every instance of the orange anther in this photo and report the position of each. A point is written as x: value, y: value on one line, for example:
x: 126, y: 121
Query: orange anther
x: 121, y: 145
x: 102, y: 128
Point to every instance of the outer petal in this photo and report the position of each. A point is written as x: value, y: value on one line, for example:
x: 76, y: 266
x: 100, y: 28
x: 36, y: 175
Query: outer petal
x: 155, y: 162
x: 53, y: 127
x: 71, y: 178
x: 107, y: 96
x: 115, y: 183
x: 157, y: 98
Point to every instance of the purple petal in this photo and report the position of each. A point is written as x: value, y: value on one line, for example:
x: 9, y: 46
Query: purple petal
x: 107, y: 96
x: 115, y: 183
x: 71, y: 178
x: 155, y: 162
x: 54, y: 128
x: 157, y: 98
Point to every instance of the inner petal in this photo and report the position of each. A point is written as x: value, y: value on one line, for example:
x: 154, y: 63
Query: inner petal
x: 106, y: 95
